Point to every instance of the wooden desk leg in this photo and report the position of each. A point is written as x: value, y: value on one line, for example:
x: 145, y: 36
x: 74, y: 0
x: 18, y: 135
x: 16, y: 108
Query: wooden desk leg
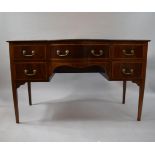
x: 15, y: 99
x: 29, y: 93
x: 124, y: 92
x: 140, y: 102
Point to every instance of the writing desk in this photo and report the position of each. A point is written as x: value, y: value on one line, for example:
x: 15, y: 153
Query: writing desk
x: 116, y: 60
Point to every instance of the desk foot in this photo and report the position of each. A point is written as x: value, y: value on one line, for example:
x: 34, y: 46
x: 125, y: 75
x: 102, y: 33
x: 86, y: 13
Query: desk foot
x: 29, y: 93
x: 15, y: 99
x: 124, y: 92
x: 140, y: 102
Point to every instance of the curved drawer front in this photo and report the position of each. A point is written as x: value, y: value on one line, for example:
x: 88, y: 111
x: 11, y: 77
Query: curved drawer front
x: 98, y: 51
x: 128, y: 51
x: 78, y: 51
x: 66, y: 51
x: 29, y: 52
x: 30, y: 71
x: 127, y: 70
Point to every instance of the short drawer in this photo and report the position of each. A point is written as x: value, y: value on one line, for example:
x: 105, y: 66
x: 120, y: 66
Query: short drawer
x: 98, y: 51
x: 29, y: 52
x: 126, y: 70
x: 30, y: 71
x: 66, y: 51
x: 128, y: 51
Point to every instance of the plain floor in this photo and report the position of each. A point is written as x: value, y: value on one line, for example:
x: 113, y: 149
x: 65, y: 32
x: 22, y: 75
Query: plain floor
x: 79, y: 107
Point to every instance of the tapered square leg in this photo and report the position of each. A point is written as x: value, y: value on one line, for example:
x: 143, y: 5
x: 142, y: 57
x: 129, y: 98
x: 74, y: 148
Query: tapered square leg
x: 140, y: 102
x: 124, y: 91
x: 29, y: 93
x: 15, y: 99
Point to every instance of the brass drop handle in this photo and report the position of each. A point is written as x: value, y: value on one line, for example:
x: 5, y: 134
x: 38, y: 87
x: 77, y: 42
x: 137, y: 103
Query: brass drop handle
x: 97, y: 54
x: 131, y: 53
x: 127, y: 71
x: 26, y: 72
x: 59, y: 53
x: 28, y: 55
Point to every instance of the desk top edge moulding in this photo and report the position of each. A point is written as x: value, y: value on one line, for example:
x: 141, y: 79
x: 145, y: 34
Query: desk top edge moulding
x: 117, y: 60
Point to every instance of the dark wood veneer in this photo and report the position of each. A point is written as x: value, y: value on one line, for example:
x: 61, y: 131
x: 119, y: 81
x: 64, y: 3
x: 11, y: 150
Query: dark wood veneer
x: 118, y: 51
x: 116, y: 60
x: 24, y: 52
x: 40, y: 74
x: 117, y: 70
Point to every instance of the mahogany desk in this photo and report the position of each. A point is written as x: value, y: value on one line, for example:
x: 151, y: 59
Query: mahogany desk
x: 116, y: 60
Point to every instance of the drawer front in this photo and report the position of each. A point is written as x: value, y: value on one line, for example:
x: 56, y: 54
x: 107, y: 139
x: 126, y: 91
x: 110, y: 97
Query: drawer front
x: 79, y: 51
x: 128, y: 51
x: 28, y: 52
x: 30, y: 71
x: 98, y: 51
x: 66, y: 51
x: 127, y: 70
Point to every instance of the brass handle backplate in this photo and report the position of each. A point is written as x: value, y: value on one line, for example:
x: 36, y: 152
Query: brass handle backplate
x: 97, y: 54
x: 26, y: 72
x: 28, y: 55
x: 59, y: 53
x: 127, y: 71
x: 128, y: 53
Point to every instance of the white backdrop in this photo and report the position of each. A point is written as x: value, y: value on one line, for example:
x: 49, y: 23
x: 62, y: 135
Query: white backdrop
x: 16, y: 26
x: 77, y: 107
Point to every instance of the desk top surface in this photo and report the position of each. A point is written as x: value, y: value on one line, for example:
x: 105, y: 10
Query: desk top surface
x: 82, y: 40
